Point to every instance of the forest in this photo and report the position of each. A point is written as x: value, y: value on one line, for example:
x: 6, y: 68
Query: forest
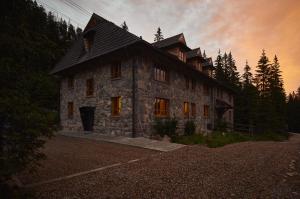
x: 33, y: 40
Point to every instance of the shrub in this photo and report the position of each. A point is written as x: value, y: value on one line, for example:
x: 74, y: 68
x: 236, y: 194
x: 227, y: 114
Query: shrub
x: 221, y: 126
x: 189, y: 128
x: 218, y: 139
x: 165, y: 126
x: 190, y: 139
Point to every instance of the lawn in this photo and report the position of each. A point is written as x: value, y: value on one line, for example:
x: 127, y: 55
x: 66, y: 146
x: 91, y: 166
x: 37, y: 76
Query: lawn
x: 219, y: 139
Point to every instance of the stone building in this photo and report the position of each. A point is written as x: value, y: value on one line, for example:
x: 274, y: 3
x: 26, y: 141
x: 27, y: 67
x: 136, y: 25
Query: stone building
x: 114, y: 82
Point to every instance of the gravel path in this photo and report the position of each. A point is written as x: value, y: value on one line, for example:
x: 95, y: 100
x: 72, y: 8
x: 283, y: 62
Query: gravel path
x: 66, y: 155
x: 243, y: 170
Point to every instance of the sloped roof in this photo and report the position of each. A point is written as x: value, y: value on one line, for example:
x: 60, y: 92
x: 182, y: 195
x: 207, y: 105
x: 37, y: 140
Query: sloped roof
x: 170, y: 41
x: 193, y: 53
x: 108, y: 37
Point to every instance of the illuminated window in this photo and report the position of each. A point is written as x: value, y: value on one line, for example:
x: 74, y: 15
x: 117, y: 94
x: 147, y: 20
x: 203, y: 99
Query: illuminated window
x: 186, y: 109
x: 161, y: 74
x: 193, y: 111
x: 116, y: 70
x: 70, y: 110
x: 116, y: 106
x: 70, y: 82
x: 206, y: 111
x: 161, y: 107
x: 89, y: 87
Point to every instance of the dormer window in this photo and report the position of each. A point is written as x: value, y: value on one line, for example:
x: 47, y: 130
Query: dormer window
x: 181, y: 56
x: 88, y: 40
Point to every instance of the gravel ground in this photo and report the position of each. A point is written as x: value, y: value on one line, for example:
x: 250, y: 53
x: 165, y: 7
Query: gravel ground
x: 242, y: 170
x: 66, y: 155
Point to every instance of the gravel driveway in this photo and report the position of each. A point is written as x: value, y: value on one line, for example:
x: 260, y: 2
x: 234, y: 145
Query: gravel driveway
x: 243, y: 170
x: 67, y: 155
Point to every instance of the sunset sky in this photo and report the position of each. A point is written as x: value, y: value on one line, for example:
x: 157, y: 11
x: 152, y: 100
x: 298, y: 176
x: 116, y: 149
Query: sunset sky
x: 241, y: 26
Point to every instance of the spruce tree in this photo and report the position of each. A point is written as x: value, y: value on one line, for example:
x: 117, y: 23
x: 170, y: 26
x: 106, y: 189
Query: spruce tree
x: 247, y: 76
x: 219, y: 73
x: 232, y: 72
x: 277, y: 94
x: 158, y: 36
x: 262, y: 73
x: 124, y: 26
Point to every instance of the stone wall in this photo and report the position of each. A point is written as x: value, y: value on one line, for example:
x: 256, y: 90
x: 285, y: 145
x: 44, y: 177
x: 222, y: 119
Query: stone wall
x: 148, y: 89
x: 104, y: 89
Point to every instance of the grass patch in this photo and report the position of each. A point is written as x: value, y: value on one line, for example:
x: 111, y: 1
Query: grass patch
x: 219, y: 139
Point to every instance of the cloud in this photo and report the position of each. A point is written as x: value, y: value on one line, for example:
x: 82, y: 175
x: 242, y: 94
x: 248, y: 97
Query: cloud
x: 244, y: 27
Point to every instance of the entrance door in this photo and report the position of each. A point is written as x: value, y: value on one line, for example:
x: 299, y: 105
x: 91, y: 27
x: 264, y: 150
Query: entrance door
x: 87, y: 117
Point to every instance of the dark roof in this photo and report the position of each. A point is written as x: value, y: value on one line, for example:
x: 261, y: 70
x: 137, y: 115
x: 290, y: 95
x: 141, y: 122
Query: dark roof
x: 193, y: 53
x: 108, y: 37
x: 177, y: 39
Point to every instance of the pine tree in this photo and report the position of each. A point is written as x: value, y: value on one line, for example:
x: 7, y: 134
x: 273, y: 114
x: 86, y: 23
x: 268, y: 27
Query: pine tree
x: 247, y: 76
x: 277, y: 94
x: 219, y: 73
x: 124, y: 26
x: 158, y: 35
x: 262, y: 73
x: 232, y: 72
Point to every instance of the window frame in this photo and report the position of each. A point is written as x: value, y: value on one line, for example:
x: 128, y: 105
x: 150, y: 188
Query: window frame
x: 70, y: 110
x: 193, y: 110
x: 161, y: 74
x: 206, y: 111
x: 116, y: 70
x: 187, y: 82
x: 186, y: 110
x: 161, y: 109
x: 70, y: 82
x: 206, y: 90
x: 90, y: 87
x: 116, y: 106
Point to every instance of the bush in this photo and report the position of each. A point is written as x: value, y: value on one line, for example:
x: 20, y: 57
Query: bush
x: 221, y: 126
x: 165, y: 127
x: 189, y: 128
x: 190, y: 139
x: 218, y: 139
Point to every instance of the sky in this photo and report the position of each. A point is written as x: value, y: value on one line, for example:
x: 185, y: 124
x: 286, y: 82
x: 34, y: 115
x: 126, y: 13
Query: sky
x: 244, y: 27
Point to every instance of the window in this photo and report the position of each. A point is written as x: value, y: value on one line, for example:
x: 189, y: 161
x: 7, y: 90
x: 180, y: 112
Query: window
x: 70, y: 82
x: 70, y: 110
x: 161, y: 74
x: 181, y: 56
x: 230, y: 116
x: 186, y: 109
x: 116, y: 106
x: 205, y: 90
x: 89, y: 87
x: 193, y: 85
x: 193, y: 107
x: 206, y: 111
x: 116, y: 70
x: 230, y: 98
x: 187, y: 82
x: 88, y: 40
x: 161, y: 107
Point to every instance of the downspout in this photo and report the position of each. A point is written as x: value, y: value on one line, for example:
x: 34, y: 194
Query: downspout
x: 133, y: 96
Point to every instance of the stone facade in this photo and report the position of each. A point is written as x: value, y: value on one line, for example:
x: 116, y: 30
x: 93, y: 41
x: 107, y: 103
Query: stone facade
x: 104, y: 89
x: 146, y: 90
